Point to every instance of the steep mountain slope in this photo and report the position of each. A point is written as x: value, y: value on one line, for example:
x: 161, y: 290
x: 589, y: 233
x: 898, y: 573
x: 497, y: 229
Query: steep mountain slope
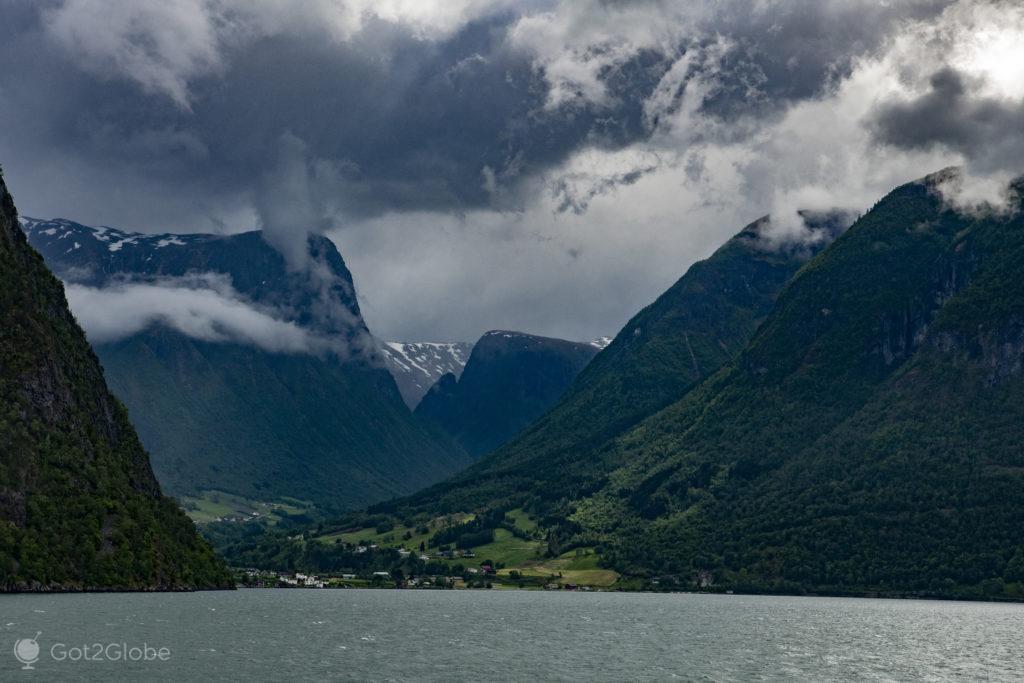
x: 510, y: 380
x: 79, y: 506
x: 868, y: 438
x: 306, y: 410
x: 686, y: 335
x: 416, y: 366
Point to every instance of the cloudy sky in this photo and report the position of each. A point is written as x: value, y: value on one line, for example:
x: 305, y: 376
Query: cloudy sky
x: 542, y: 165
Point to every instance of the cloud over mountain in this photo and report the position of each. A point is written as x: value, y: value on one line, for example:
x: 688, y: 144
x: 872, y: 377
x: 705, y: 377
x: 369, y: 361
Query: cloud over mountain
x: 201, y: 306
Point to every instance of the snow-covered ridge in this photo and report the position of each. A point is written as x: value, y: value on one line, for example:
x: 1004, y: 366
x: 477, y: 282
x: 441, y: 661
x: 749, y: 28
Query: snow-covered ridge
x: 113, y: 239
x: 416, y: 366
x: 600, y: 342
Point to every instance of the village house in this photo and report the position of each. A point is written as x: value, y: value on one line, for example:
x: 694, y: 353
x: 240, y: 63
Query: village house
x: 309, y: 581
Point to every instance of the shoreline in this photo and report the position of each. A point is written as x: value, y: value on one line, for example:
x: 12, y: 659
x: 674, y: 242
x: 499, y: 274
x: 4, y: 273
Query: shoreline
x: 94, y: 590
x: 507, y: 589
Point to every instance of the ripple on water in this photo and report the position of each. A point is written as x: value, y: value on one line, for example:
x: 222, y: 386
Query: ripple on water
x: 253, y: 635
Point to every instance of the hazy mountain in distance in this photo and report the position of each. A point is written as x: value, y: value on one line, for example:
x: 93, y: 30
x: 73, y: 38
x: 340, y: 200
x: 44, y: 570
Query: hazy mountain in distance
x: 417, y: 366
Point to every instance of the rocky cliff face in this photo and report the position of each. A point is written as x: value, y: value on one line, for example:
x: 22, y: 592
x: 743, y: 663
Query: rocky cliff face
x: 510, y: 380
x: 416, y: 366
x: 79, y: 505
x: 319, y: 297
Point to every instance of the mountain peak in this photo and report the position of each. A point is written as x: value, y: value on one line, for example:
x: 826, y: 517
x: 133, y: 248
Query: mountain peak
x: 320, y: 300
x: 510, y: 379
x: 416, y: 366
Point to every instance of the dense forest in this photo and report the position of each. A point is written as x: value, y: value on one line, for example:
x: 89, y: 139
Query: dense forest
x: 79, y: 505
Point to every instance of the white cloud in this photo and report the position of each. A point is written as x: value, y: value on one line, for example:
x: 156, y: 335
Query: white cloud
x: 160, y: 45
x: 575, y: 42
x: 559, y: 273
x: 201, y: 306
x: 978, y: 194
x: 983, y: 39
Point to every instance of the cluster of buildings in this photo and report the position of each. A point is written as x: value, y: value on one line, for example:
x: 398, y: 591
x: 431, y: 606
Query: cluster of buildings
x: 241, y: 517
x: 453, y: 554
x: 267, y: 579
x: 301, y: 581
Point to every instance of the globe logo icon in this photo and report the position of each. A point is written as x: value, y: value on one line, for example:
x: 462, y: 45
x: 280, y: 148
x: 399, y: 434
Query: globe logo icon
x: 26, y: 650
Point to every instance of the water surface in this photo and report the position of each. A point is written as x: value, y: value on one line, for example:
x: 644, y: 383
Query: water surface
x: 258, y: 635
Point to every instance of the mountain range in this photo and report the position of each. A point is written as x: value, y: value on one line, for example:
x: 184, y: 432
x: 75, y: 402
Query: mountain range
x: 836, y: 410
x: 699, y: 324
x: 511, y: 379
x: 248, y: 375
x: 847, y: 424
x: 80, y: 508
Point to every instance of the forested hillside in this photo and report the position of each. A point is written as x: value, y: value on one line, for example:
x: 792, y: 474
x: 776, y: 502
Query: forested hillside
x: 686, y: 335
x: 79, y: 505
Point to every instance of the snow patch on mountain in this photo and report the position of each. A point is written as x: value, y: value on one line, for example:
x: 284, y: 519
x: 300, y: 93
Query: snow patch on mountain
x: 47, y: 231
x: 416, y: 366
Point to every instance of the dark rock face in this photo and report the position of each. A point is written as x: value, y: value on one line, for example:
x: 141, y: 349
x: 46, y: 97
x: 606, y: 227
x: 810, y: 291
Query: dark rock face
x: 510, y: 380
x: 320, y: 297
x: 79, y: 505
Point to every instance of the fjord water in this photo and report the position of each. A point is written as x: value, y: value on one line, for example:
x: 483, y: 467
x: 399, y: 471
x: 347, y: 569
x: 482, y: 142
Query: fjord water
x: 257, y: 635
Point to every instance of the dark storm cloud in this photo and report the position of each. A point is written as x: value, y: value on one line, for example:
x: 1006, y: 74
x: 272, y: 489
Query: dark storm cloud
x: 955, y: 114
x: 408, y: 122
